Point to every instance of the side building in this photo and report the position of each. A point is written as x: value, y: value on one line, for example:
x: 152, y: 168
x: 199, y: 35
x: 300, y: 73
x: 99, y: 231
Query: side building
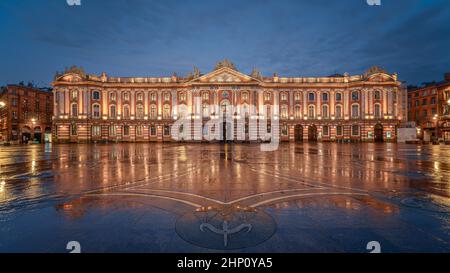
x: 25, y: 114
x: 365, y: 107
x: 429, y: 108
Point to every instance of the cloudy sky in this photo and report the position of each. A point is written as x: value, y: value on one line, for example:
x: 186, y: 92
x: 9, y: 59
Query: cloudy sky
x: 159, y: 37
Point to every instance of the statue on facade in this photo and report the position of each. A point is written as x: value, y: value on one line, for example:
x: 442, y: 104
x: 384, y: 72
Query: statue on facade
x: 225, y: 63
x: 256, y: 74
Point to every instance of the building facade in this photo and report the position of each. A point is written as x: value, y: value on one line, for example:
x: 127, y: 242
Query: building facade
x: 429, y: 107
x: 337, y: 108
x: 25, y: 114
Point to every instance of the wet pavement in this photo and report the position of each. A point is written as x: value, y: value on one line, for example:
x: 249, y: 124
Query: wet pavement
x: 321, y: 197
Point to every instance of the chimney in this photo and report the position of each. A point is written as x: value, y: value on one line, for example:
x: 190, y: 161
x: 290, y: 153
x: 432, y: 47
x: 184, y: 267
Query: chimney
x: 447, y: 77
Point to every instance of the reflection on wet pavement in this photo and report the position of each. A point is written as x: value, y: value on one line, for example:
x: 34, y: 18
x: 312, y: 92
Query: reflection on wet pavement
x: 322, y: 197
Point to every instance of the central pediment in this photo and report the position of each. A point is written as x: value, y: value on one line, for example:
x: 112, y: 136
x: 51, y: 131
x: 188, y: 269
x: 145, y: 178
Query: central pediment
x: 224, y: 75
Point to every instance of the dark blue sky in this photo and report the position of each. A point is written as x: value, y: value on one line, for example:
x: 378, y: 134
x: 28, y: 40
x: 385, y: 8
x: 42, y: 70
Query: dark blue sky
x: 159, y: 37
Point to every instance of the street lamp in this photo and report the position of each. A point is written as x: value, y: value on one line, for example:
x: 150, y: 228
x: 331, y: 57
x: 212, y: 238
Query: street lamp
x: 2, y: 104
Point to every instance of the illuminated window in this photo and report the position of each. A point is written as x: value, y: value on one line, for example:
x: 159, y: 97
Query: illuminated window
x: 140, y: 97
x: 325, y: 130
x: 140, y: 111
x: 325, y: 113
x: 338, y: 113
x: 166, y: 112
x: 153, y: 96
x: 112, y: 96
x: 126, y: 96
x: 112, y: 130
x: 377, y: 110
x: 112, y: 111
x: 73, y: 129
x: 338, y: 96
x: 74, y: 110
x: 311, y: 111
x: 139, y: 130
x: 355, y: 110
x: 96, y: 130
x: 126, y: 112
x: 284, y: 111
x: 267, y: 96
x: 245, y: 96
x: 298, y: 111
x: 96, y: 110
x: 339, y: 130
x: 152, y: 111
x: 205, y: 96
x: 297, y: 96
x: 283, y: 96
x: 166, y: 96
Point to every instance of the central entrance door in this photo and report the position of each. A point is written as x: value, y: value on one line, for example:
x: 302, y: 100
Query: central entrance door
x: 378, y: 132
x: 298, y: 133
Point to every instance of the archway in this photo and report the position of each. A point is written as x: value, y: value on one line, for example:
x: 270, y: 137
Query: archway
x: 378, y: 132
x: 298, y: 133
x: 37, y: 136
x: 26, y: 134
x: 312, y: 133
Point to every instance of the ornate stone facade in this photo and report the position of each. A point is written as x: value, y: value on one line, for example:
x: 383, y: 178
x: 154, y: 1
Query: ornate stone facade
x: 336, y: 108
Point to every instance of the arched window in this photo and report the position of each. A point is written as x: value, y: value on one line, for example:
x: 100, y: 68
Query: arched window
x: 96, y: 110
x: 126, y: 112
x: 283, y: 96
x: 377, y: 95
x: 153, y: 111
x: 355, y: 110
x: 96, y: 95
x: 355, y: 95
x: 338, y: 97
x: 298, y: 112
x: 311, y: 111
x: 325, y: 96
x: 205, y: 96
x: 112, y: 111
x: 339, y: 130
x: 338, y: 112
x: 297, y: 96
x: 140, y: 96
x: 153, y: 96
x: 325, y: 112
x: 74, y: 110
x: 139, y: 111
x: 267, y: 96
x: 377, y: 110
x: 311, y: 96
x: 325, y: 130
x: 284, y: 111
x: 166, y: 112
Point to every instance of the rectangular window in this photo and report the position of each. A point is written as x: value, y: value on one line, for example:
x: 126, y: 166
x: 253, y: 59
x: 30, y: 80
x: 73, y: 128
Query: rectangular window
x: 139, y: 130
x: 126, y: 130
x: 112, y: 130
x: 339, y: 130
x: 325, y: 131
x: 96, y: 130
x: 153, y: 130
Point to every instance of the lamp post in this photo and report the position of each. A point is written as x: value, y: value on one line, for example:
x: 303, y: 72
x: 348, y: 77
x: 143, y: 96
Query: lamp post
x: 2, y: 107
